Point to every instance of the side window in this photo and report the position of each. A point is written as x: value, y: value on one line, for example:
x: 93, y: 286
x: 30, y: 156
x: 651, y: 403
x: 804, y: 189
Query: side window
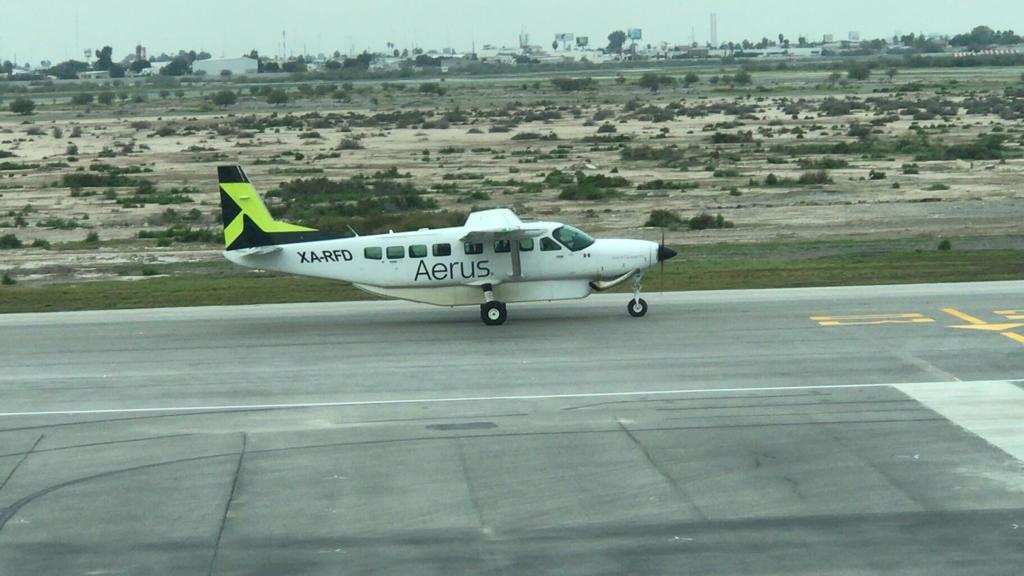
x: 549, y: 245
x: 374, y: 253
x: 418, y: 251
x: 442, y: 249
x: 396, y: 252
x: 526, y: 244
x: 502, y: 246
x: 477, y: 248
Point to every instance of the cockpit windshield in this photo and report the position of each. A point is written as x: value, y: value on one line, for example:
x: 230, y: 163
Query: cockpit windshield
x: 572, y: 238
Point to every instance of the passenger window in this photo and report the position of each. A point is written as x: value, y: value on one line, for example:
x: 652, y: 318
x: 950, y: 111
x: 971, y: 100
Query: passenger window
x: 502, y: 246
x: 374, y: 253
x: 526, y: 244
x: 549, y: 245
x: 474, y: 248
x: 396, y: 252
x: 442, y: 249
x: 418, y: 251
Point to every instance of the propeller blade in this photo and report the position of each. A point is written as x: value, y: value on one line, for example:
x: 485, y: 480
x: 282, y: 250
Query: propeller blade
x: 661, y: 274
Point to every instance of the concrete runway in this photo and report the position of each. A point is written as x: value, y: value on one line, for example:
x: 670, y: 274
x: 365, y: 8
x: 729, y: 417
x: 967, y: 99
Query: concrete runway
x: 819, y: 431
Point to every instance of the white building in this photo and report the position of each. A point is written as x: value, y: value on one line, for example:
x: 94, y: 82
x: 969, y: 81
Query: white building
x: 216, y: 66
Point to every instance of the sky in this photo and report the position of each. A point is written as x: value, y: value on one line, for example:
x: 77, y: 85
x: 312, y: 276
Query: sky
x: 57, y: 30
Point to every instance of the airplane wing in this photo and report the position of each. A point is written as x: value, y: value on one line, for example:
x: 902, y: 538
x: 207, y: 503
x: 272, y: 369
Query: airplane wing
x: 499, y: 223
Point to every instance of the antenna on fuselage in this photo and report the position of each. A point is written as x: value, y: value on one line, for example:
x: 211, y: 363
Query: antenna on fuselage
x: 350, y: 229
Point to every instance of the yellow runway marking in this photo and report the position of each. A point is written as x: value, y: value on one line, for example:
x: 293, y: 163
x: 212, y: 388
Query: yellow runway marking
x: 1011, y: 314
x: 977, y: 323
x: 965, y: 317
x: 871, y: 319
x: 1013, y: 336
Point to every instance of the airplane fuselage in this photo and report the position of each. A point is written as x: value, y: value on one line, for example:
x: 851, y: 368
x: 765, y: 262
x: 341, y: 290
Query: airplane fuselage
x: 437, y: 267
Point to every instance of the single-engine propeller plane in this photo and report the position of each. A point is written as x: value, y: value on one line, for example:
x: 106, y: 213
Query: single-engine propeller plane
x: 494, y: 259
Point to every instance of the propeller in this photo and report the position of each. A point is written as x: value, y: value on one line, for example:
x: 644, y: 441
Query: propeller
x: 664, y: 253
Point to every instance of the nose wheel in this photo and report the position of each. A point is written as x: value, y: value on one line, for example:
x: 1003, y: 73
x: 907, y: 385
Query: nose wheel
x: 637, y: 307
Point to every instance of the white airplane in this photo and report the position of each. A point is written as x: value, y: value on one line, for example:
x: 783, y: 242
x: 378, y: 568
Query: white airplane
x: 494, y: 259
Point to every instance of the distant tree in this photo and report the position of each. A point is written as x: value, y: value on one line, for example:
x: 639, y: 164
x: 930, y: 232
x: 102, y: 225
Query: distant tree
x: 332, y: 65
x: 801, y: 41
x: 225, y: 73
x: 834, y: 78
x: 891, y: 73
x: 426, y: 60
x: 22, y: 106
x: 81, y: 99
x: 203, y: 55
x: 432, y: 88
x: 742, y: 78
x: 68, y: 70
x: 615, y: 41
x: 859, y: 72
x: 116, y: 70
x: 361, y: 62
x: 7, y: 67
x: 224, y: 98
x: 139, y: 66
x: 106, y: 97
x: 277, y: 97
x: 691, y: 78
x: 983, y: 36
x: 254, y: 54
x: 654, y: 82
x: 294, y: 66
x: 103, y: 58
x: 177, y: 67
x: 574, y: 84
x: 270, y: 67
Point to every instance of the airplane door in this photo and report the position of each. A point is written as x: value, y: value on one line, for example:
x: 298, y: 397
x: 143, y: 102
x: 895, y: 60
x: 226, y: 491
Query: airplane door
x: 548, y: 260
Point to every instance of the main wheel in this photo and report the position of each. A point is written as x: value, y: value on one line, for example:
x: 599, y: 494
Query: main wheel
x: 637, y: 308
x: 493, y: 313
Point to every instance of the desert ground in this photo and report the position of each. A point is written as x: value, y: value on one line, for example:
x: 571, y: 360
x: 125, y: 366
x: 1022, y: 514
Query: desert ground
x: 127, y: 189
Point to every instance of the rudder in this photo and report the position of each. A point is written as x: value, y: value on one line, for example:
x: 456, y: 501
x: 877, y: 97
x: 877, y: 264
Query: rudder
x: 247, y: 222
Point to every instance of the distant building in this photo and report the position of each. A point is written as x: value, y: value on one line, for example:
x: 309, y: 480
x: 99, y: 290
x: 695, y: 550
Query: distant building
x: 94, y: 75
x: 217, y: 66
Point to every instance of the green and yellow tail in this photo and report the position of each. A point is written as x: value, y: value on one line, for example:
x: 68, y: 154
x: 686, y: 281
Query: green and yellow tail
x: 247, y: 222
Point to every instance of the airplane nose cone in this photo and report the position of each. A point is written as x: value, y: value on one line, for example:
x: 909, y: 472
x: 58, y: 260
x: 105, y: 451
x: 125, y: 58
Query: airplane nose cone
x: 665, y: 253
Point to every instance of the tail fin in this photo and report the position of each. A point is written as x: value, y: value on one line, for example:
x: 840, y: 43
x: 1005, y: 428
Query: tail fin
x: 247, y: 222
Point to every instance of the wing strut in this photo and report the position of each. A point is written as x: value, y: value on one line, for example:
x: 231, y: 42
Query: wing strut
x: 517, y: 266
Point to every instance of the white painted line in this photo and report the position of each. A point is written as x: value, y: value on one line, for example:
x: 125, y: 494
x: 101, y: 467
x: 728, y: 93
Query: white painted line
x: 990, y: 412
x: 301, y: 405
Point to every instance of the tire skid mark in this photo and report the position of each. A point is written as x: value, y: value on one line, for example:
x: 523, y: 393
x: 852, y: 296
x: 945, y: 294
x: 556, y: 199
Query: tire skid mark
x: 23, y: 458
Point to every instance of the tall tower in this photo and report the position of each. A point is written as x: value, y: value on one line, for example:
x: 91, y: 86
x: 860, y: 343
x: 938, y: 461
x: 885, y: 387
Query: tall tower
x: 714, y: 30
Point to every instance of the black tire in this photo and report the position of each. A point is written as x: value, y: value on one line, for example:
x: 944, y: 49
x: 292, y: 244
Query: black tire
x: 637, y: 308
x: 493, y: 313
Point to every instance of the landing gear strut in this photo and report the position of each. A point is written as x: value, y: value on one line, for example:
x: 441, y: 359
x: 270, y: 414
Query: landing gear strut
x: 637, y: 307
x: 492, y: 312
